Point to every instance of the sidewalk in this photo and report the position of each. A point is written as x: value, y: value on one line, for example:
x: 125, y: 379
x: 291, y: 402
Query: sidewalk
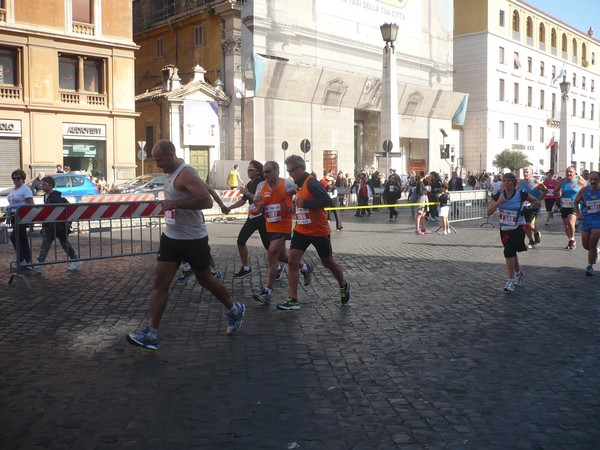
x: 428, y: 354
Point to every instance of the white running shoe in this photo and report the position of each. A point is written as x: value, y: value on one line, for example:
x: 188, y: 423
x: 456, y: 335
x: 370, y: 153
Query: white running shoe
x: 74, y: 266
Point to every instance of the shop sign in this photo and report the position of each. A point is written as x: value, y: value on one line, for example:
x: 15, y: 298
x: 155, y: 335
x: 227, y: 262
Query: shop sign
x: 10, y: 127
x: 83, y: 130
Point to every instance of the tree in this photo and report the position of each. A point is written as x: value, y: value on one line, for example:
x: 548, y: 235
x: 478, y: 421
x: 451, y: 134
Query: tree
x: 513, y: 161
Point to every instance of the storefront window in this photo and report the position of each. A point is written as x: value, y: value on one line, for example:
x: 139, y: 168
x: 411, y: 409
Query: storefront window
x: 85, y: 156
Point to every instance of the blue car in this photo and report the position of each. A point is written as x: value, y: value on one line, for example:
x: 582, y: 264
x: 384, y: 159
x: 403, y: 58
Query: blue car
x: 69, y: 185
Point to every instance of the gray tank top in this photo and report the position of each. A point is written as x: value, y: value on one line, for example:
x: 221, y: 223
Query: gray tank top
x: 183, y: 224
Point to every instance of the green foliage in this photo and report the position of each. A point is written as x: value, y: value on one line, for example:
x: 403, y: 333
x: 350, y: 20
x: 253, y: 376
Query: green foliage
x: 513, y: 161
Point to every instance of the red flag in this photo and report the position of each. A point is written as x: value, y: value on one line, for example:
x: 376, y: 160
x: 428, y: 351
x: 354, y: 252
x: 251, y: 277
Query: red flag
x: 551, y: 143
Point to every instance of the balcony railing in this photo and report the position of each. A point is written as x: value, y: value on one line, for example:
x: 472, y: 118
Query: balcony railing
x: 84, y: 28
x: 2, y: 15
x: 83, y: 99
x: 542, y: 46
x: 11, y: 93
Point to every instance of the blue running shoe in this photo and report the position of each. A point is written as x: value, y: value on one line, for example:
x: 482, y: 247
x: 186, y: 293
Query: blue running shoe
x: 589, y: 271
x: 518, y: 278
x: 345, y: 293
x: 308, y: 274
x: 289, y: 305
x: 145, y: 338
x: 280, y: 271
x: 184, y: 276
x: 235, y: 319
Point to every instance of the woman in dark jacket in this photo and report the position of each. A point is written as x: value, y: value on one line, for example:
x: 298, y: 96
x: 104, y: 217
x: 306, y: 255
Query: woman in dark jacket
x: 391, y: 193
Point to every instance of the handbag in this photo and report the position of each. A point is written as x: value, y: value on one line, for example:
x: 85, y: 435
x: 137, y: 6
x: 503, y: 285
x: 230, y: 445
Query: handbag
x: 4, y: 239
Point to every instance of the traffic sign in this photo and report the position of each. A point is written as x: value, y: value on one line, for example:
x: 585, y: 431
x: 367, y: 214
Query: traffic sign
x: 284, y: 145
x: 387, y: 146
x: 305, y: 146
x: 142, y: 155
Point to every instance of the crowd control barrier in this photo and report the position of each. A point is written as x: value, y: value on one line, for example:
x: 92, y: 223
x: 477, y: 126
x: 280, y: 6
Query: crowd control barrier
x: 103, y: 230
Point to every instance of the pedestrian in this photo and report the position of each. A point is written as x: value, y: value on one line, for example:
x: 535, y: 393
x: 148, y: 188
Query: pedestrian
x: 54, y: 230
x: 392, y: 190
x: 332, y: 191
x: 436, y: 187
x: 275, y: 196
x: 455, y: 184
x: 59, y: 169
x: 311, y: 229
x: 590, y: 219
x: 233, y: 179
x: 444, y: 209
x: 363, y: 189
x: 36, y: 184
x: 538, y: 190
x: 421, y: 199
x: 512, y: 226
x: 19, y: 195
x: 566, y: 192
x: 185, y: 239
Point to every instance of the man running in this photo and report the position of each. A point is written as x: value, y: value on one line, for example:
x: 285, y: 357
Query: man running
x: 275, y: 197
x: 185, y: 238
x: 311, y: 228
x: 590, y: 225
x: 538, y: 190
x: 566, y: 193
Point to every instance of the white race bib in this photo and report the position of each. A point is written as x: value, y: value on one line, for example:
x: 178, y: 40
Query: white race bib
x: 170, y: 216
x: 593, y: 206
x: 273, y: 213
x: 508, y: 218
x: 566, y: 202
x: 302, y: 216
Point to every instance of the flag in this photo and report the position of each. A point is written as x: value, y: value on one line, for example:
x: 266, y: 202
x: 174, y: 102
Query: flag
x: 551, y: 143
x: 561, y: 74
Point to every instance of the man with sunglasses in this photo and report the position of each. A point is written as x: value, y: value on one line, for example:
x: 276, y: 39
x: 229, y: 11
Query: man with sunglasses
x: 311, y: 228
x: 588, y: 199
x: 275, y: 197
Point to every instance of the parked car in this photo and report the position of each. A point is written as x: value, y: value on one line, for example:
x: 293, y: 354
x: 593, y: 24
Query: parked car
x: 150, y: 183
x: 69, y: 184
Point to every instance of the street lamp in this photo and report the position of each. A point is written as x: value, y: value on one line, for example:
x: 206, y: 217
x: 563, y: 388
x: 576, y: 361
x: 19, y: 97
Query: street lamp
x: 563, y: 152
x: 390, y: 128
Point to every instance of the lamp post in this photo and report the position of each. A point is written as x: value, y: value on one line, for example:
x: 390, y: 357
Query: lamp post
x: 563, y: 150
x: 390, y: 128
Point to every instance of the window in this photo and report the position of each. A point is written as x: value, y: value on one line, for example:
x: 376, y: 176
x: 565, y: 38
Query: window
x: 542, y: 99
x: 198, y: 36
x: 160, y: 44
x: 542, y: 36
x: 529, y: 30
x: 553, y: 104
x: 542, y: 67
x: 583, y: 83
x: 553, y: 72
x: 529, y: 133
x: 81, y: 74
x: 517, y: 62
x: 583, y: 110
x: 501, y: 129
x: 501, y: 55
x: 542, y: 135
x: 592, y: 141
x: 82, y: 11
x: 592, y: 85
x: 516, y: 131
x: 516, y: 25
x: 593, y: 57
x: 564, y: 46
x: 529, y: 65
x: 582, y: 140
x: 501, y: 18
x: 574, y: 80
x: 591, y: 111
x: 529, y: 96
x: 10, y: 71
x: 574, y: 112
x: 553, y: 39
x: 516, y: 94
x: 501, y: 90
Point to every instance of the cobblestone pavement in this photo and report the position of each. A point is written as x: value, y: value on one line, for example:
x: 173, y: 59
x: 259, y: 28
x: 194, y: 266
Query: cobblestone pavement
x: 428, y: 354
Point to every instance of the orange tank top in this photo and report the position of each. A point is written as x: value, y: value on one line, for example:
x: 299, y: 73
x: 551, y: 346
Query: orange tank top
x: 277, y: 205
x: 310, y: 222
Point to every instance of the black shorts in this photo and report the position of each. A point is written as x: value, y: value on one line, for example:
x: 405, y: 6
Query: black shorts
x: 250, y: 226
x: 513, y: 241
x: 277, y: 236
x: 549, y: 203
x: 530, y: 214
x: 196, y: 252
x: 321, y: 243
x: 566, y: 212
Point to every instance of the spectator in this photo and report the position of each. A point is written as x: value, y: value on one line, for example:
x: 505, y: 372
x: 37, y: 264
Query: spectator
x: 391, y: 194
x: 363, y: 189
x: 36, y: 185
x: 59, y: 169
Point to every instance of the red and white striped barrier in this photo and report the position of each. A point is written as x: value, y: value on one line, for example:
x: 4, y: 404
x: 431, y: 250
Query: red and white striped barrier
x: 231, y: 194
x: 81, y: 211
x: 118, y: 198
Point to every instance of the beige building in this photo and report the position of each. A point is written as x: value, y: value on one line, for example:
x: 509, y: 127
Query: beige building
x: 66, y: 87
x: 511, y: 58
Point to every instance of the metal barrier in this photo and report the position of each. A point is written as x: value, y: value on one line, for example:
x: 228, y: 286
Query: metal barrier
x: 469, y: 205
x: 105, y: 230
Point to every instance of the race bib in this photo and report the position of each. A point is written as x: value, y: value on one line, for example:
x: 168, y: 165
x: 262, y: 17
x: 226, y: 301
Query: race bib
x: 508, y: 218
x: 253, y: 211
x: 302, y: 216
x: 566, y: 202
x: 593, y: 206
x: 170, y: 216
x: 550, y: 192
x: 273, y: 213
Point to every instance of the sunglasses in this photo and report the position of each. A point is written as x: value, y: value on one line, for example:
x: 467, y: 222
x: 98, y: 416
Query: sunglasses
x: 17, y: 178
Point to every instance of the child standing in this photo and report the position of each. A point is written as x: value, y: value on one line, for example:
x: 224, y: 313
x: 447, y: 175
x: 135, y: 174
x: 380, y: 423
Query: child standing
x: 444, y: 209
